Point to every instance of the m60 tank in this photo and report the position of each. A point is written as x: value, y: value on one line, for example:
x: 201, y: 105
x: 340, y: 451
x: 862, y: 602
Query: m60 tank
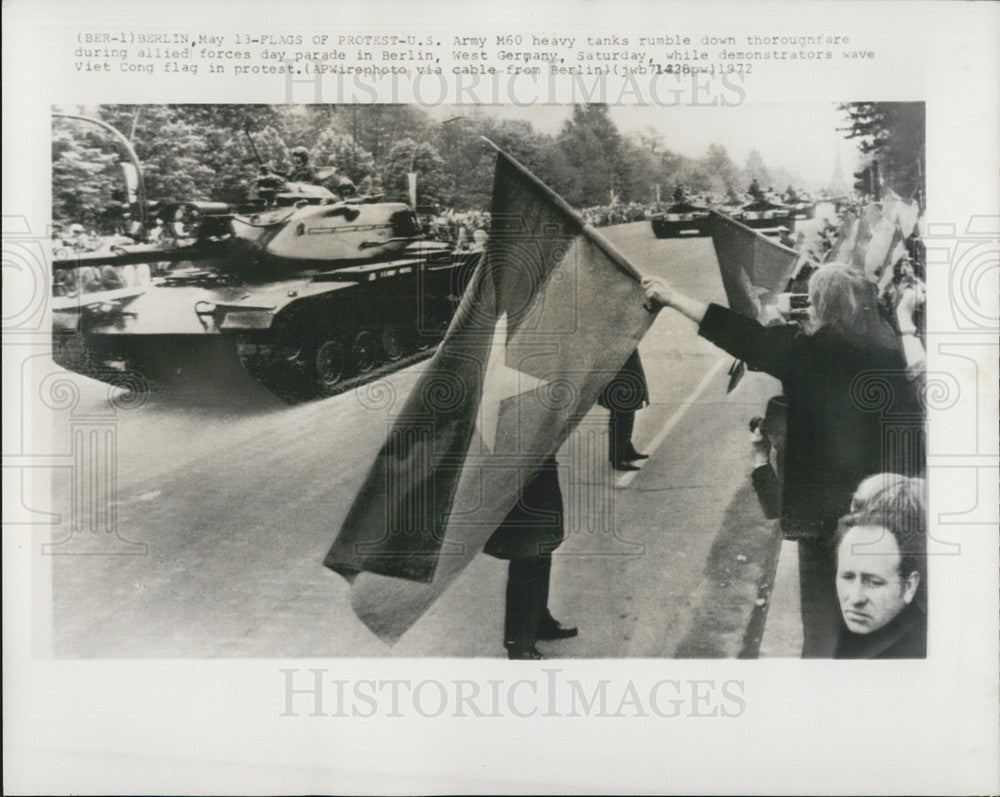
x: 763, y: 212
x: 312, y: 293
x: 681, y: 218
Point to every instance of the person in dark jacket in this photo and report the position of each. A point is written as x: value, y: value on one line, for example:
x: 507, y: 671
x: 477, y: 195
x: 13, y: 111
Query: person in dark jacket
x: 880, y: 558
x: 851, y: 413
x: 623, y: 395
x: 529, y: 534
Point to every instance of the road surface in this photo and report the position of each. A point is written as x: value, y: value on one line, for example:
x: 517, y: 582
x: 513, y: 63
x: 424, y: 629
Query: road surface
x: 221, y: 514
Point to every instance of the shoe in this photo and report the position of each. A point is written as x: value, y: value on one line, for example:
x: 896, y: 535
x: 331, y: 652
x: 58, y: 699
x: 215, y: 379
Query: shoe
x: 556, y: 630
x: 517, y: 652
x: 623, y: 465
x: 634, y: 455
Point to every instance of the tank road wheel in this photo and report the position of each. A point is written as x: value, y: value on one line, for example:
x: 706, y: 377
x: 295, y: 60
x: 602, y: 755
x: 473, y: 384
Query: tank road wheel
x: 110, y: 278
x: 286, y: 345
x: 65, y: 283
x: 364, y: 351
x: 331, y: 365
x: 89, y: 279
x: 423, y: 332
x: 422, y: 341
x: 393, y: 341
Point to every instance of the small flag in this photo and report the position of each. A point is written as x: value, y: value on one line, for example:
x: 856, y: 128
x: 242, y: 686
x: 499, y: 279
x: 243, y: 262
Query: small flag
x: 884, y: 240
x: 904, y: 213
x: 847, y: 236
x: 870, y: 219
x: 753, y: 268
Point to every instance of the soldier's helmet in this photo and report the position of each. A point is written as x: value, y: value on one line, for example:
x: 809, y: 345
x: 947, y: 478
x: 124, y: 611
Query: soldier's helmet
x: 300, y: 152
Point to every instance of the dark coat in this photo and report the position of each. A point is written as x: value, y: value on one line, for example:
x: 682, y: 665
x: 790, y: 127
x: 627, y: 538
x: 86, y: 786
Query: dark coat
x: 905, y: 637
x: 768, y: 488
x: 851, y: 413
x: 535, y: 525
x: 627, y: 391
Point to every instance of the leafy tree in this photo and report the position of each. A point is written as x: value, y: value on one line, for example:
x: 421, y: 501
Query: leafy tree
x: 892, y: 133
x: 333, y: 148
x: 236, y: 118
x: 408, y: 155
x: 723, y: 174
x: 377, y: 128
x: 639, y: 167
x: 302, y: 125
x: 173, y: 151
x: 756, y: 170
x: 593, y: 148
x: 468, y: 159
x: 86, y: 177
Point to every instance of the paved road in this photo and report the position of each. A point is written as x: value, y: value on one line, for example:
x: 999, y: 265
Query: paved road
x: 237, y: 503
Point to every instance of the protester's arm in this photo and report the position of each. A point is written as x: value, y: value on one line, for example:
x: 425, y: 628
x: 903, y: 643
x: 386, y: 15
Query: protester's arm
x: 660, y: 293
x: 763, y: 348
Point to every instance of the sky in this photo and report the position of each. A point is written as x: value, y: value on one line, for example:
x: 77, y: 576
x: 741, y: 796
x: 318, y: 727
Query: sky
x: 803, y: 138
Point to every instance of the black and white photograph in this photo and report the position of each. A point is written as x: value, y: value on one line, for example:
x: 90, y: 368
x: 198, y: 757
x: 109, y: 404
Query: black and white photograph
x: 626, y: 374
x: 555, y: 397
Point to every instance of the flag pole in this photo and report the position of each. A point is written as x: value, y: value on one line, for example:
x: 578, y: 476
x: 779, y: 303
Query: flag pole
x: 589, y: 232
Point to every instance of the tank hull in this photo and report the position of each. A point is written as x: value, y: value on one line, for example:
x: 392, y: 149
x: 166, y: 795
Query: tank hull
x: 303, y: 336
x: 681, y: 219
x: 669, y: 225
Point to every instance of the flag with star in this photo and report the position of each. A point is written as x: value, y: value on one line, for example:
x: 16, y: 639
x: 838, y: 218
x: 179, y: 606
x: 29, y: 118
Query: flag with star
x: 549, y: 317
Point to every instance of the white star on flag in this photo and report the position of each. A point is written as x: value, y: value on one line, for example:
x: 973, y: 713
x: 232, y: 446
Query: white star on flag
x: 500, y: 382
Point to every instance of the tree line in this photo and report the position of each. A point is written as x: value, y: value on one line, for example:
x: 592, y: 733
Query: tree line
x: 213, y: 152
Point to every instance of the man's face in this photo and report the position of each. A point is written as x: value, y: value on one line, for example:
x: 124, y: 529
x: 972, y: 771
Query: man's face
x: 869, y: 585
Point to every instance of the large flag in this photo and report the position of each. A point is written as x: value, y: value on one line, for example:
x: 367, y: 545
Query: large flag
x: 753, y: 268
x: 549, y: 317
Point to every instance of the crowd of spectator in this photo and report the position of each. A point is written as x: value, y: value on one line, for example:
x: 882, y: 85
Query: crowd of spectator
x: 617, y: 213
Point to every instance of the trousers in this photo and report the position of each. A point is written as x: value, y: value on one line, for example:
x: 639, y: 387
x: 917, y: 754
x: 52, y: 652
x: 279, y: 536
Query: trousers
x: 818, y: 590
x: 527, y: 599
x: 620, y: 426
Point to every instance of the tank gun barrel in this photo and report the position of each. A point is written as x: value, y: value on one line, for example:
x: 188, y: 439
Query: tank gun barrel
x: 145, y: 253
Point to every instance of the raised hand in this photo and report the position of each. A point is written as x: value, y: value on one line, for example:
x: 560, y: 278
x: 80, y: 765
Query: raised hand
x: 658, y: 292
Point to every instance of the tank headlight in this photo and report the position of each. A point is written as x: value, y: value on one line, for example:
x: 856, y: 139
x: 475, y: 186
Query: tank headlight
x: 247, y: 319
x: 187, y: 222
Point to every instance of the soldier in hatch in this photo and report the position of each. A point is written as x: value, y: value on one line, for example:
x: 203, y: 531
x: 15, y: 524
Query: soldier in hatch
x: 301, y: 172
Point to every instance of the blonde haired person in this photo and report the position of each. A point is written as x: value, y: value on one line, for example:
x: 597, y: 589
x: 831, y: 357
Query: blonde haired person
x: 843, y: 376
